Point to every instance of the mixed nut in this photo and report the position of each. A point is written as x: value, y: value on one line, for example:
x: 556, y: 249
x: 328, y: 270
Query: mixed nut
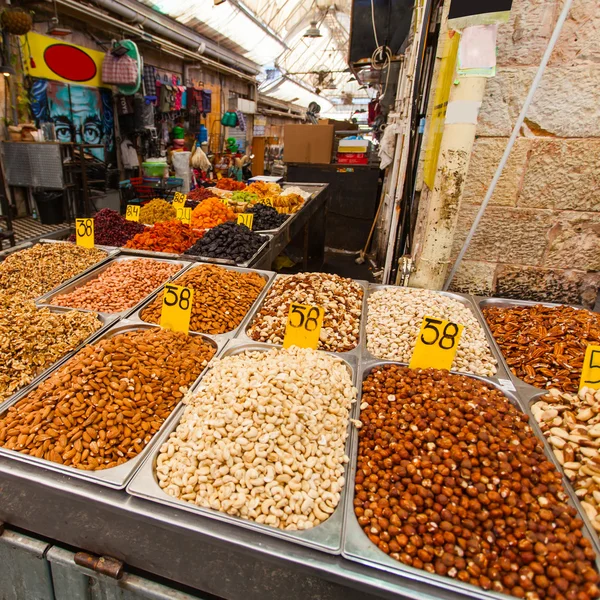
x: 106, y: 403
x: 395, y: 315
x: 263, y: 438
x: 222, y: 298
x: 340, y: 298
x: 451, y: 479
x: 571, y: 422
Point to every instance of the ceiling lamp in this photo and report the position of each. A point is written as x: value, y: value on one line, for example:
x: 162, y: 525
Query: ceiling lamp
x: 7, y: 70
x: 313, y: 31
x: 55, y: 28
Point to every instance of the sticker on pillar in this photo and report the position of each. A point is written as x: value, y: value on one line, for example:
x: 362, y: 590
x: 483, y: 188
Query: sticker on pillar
x: 466, y: 13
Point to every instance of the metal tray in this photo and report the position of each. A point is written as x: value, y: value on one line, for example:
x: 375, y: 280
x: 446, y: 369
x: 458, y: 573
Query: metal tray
x: 151, y: 254
x: 268, y: 276
x: 569, y: 486
x: 480, y: 303
x: 46, y: 299
x: 501, y: 372
x: 358, y: 548
x: 225, y: 261
x: 326, y: 537
x: 116, y: 477
x: 356, y: 352
x: 106, y: 321
x: 274, y: 232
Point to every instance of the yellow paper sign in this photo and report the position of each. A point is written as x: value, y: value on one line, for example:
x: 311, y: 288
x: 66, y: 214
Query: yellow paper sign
x: 246, y: 219
x: 590, y: 377
x: 303, y: 326
x: 179, y: 199
x: 177, y: 308
x: 184, y: 214
x: 436, y: 345
x: 133, y: 213
x: 84, y: 232
x: 265, y: 201
x: 224, y: 200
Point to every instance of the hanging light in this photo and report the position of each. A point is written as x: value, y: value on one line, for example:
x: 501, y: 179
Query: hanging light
x: 313, y: 31
x: 55, y: 28
x: 7, y: 70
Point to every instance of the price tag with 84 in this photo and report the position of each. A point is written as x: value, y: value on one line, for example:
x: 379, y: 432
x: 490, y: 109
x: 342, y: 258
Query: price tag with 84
x: 590, y: 376
x: 84, y: 232
x: 177, y: 308
x: 436, y: 345
x: 303, y: 326
x: 184, y: 215
x: 179, y: 200
x: 133, y: 213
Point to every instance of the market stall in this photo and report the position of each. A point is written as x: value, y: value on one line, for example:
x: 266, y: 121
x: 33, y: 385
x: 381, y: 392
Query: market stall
x: 333, y: 472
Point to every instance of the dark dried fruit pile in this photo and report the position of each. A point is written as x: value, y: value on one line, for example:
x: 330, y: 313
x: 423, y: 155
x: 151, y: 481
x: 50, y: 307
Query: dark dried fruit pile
x: 266, y: 217
x: 452, y: 480
x: 111, y: 229
x: 228, y: 241
x: 544, y: 345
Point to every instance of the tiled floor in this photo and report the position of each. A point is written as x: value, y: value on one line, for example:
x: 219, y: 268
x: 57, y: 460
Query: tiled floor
x: 26, y: 228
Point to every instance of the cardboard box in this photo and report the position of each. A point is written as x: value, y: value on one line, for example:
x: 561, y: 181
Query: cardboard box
x: 339, y: 125
x: 308, y: 144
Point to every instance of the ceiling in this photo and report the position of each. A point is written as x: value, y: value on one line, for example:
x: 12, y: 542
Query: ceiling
x: 271, y: 33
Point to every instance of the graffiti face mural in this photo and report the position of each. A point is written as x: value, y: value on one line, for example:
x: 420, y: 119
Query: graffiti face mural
x: 81, y: 114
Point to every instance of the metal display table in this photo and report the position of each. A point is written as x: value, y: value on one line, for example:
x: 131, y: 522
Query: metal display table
x: 207, y: 555
x: 309, y: 222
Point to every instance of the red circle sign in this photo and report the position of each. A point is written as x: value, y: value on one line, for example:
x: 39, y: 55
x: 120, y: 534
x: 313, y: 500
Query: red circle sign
x: 70, y: 62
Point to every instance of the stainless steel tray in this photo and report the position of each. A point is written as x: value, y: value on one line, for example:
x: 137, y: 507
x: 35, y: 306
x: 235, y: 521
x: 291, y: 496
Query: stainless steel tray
x: 356, y: 352
x: 480, y: 303
x: 106, y: 321
x: 466, y: 301
x: 46, y: 299
x: 116, y: 477
x: 224, y: 261
x: 358, y: 548
x: 569, y: 486
x: 274, y: 232
x: 151, y: 254
x: 268, y: 276
x: 326, y: 537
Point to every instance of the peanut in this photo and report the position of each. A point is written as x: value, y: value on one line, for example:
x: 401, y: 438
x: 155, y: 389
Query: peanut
x: 118, y: 391
x: 119, y: 287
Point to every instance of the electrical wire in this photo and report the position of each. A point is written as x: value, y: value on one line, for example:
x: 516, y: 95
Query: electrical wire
x: 382, y: 56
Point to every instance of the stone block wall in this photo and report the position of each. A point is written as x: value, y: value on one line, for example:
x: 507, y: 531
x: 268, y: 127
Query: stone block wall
x: 540, y: 237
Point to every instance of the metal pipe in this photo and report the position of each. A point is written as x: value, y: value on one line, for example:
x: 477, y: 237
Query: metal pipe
x: 513, y: 138
x: 180, y: 51
x: 137, y: 13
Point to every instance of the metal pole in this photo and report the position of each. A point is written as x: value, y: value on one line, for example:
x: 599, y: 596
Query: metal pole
x: 513, y: 138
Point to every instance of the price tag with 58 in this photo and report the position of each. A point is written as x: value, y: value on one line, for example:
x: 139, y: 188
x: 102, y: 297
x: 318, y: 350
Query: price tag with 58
x: 184, y: 214
x: 84, y: 232
x: 590, y: 376
x: 303, y: 326
x: 436, y: 345
x: 133, y: 213
x: 177, y: 308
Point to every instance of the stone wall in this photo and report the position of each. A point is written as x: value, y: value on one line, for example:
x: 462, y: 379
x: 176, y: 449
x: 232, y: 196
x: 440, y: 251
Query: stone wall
x: 540, y: 237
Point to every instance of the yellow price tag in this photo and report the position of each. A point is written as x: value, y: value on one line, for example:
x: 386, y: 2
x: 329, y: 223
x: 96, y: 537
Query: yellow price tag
x: 246, y: 219
x: 177, y: 308
x: 133, y: 213
x: 265, y: 201
x: 224, y: 200
x: 590, y: 377
x: 184, y: 215
x: 84, y: 232
x: 179, y: 199
x: 303, y: 326
x: 437, y: 344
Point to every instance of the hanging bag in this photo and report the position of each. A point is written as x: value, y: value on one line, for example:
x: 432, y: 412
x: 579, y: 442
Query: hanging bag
x: 119, y: 70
